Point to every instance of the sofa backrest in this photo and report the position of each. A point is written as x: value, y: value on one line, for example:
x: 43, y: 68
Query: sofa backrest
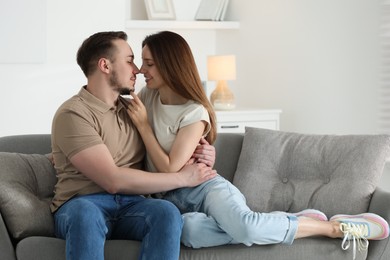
x: 28, y: 144
x: 285, y: 171
x: 27, y: 180
x: 228, y: 149
x: 227, y: 145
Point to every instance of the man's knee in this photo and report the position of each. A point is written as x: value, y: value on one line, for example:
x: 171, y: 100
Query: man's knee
x: 79, y: 215
x: 167, y: 214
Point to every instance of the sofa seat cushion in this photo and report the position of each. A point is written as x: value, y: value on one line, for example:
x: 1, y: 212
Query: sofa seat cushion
x: 26, y: 188
x: 47, y: 248
x: 291, y: 172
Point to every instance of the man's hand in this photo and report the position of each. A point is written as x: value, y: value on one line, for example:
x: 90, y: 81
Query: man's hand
x: 195, y: 174
x: 204, y: 153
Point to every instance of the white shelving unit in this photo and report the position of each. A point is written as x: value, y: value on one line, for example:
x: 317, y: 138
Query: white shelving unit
x: 202, y: 36
x: 175, y: 24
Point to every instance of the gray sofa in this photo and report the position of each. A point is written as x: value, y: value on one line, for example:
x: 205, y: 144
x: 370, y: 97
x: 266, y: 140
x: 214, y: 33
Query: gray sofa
x: 275, y: 171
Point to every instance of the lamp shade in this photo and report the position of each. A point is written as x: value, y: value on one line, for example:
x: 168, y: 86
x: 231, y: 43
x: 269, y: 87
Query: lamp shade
x: 221, y: 67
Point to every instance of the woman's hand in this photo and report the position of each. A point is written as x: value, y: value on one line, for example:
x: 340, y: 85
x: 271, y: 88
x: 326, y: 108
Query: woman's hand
x: 137, y: 112
x: 204, y: 153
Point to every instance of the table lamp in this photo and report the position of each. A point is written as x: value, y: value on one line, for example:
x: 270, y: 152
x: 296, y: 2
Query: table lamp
x: 221, y: 69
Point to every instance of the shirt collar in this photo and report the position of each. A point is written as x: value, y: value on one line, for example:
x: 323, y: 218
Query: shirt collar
x: 93, y: 101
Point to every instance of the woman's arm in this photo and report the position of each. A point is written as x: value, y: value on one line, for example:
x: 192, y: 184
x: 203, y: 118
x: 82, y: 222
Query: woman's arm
x: 183, y: 147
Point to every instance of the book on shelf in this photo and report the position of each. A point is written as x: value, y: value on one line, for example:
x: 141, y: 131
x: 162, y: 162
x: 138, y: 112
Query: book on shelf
x: 212, y: 10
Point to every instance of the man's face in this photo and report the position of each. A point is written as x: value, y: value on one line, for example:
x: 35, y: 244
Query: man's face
x: 123, y: 72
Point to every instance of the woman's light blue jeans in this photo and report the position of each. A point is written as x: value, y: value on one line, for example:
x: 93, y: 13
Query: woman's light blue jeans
x: 215, y: 213
x: 87, y: 221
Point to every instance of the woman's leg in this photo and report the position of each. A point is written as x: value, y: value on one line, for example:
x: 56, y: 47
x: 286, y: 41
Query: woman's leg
x: 200, y: 230
x: 226, y: 211
x: 227, y: 219
x: 309, y: 227
x: 226, y: 206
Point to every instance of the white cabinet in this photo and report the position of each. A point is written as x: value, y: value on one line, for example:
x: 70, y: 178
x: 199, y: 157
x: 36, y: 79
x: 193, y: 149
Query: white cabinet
x: 234, y: 121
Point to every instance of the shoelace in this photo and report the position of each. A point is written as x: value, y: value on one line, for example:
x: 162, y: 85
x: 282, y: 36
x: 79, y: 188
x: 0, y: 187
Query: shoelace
x: 357, y: 233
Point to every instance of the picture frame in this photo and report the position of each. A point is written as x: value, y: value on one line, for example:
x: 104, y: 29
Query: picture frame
x: 212, y: 10
x: 160, y: 10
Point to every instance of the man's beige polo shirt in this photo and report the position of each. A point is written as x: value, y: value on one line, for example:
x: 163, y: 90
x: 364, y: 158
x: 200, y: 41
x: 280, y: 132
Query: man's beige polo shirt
x: 82, y: 122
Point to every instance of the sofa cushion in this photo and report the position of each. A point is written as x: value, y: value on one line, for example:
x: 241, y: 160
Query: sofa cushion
x: 26, y: 188
x: 290, y: 171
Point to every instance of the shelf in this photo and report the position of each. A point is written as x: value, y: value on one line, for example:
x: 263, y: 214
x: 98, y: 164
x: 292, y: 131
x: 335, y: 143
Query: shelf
x: 168, y: 24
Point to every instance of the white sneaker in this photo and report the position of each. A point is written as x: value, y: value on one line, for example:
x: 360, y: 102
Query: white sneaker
x: 361, y: 228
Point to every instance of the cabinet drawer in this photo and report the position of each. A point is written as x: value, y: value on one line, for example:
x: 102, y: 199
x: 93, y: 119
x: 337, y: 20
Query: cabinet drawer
x: 235, y: 121
x: 239, y: 127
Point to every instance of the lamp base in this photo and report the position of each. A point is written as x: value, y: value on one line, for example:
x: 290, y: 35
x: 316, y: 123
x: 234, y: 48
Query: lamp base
x: 224, y: 106
x: 222, y: 98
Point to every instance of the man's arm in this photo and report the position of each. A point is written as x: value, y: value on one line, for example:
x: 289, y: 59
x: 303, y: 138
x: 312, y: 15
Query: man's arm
x: 97, y: 164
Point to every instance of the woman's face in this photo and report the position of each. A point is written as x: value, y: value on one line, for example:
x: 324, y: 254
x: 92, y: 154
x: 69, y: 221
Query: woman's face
x: 152, y: 76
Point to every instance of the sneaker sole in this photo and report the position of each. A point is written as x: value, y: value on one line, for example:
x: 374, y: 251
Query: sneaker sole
x: 373, y: 218
x: 314, y: 214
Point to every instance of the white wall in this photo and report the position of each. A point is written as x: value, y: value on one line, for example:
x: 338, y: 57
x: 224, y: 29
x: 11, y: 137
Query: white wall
x: 30, y: 93
x: 317, y: 60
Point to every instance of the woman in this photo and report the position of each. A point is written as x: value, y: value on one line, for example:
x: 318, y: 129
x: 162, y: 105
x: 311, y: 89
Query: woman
x: 215, y: 212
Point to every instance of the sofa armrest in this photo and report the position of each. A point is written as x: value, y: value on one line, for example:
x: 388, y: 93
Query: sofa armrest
x: 380, y: 204
x: 6, y: 248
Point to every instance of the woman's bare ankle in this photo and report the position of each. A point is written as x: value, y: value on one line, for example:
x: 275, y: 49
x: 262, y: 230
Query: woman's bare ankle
x: 336, y: 231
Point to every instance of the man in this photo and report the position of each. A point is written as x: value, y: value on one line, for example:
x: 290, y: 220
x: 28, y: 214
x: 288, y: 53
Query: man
x: 98, y: 156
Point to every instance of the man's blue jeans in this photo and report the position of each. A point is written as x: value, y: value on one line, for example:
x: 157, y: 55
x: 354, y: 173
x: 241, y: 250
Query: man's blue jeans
x: 85, y: 222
